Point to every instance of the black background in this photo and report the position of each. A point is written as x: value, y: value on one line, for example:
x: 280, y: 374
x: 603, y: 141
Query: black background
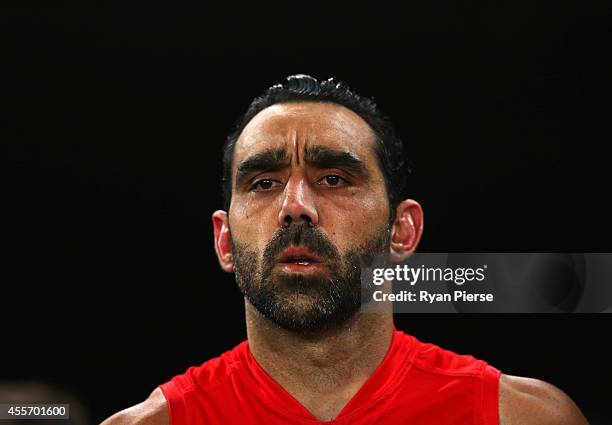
x: 116, y: 117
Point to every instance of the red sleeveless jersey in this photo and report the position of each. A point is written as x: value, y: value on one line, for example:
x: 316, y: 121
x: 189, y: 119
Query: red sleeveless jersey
x: 415, y: 384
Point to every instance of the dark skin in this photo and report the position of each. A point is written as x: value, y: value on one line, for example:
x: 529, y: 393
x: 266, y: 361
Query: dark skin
x: 315, y: 162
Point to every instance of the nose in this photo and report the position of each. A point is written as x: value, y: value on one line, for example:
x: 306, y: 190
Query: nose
x: 298, y: 204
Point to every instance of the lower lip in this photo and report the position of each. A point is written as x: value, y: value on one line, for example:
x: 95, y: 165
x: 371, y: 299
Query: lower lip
x: 299, y: 267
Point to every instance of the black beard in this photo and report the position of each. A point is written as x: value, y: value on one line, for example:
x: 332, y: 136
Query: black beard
x: 302, y: 303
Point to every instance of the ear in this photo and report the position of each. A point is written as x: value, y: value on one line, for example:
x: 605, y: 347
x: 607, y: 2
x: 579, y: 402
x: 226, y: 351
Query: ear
x: 223, y: 240
x: 406, y: 230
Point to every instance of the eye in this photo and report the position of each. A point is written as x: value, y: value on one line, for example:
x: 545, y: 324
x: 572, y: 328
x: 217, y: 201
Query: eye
x: 264, y: 185
x: 332, y: 180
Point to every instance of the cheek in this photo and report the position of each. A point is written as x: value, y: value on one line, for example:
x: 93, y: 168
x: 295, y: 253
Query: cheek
x: 251, y: 227
x: 377, y: 205
x: 356, y: 219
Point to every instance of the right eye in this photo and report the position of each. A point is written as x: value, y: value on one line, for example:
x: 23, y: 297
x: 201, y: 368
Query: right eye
x: 264, y: 185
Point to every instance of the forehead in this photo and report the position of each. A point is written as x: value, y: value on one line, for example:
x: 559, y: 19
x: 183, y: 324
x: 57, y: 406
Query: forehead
x: 303, y: 124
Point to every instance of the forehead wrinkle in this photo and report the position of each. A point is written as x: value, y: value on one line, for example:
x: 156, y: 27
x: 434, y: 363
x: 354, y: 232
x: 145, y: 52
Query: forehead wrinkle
x: 296, y: 146
x: 284, y: 119
x: 300, y: 124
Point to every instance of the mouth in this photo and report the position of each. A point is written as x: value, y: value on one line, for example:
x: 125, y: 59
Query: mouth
x: 299, y: 259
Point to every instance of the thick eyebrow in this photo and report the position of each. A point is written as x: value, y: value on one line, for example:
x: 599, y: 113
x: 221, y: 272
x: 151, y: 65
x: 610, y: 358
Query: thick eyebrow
x: 267, y: 160
x: 324, y: 157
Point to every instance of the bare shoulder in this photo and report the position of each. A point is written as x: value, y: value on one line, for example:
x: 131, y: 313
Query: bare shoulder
x: 529, y: 401
x: 152, y: 411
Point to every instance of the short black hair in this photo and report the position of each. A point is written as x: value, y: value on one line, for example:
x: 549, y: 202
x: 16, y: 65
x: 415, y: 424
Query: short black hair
x: 389, y: 147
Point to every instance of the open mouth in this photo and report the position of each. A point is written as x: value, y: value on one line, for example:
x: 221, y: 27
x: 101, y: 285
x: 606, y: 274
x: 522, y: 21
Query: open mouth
x: 296, y: 256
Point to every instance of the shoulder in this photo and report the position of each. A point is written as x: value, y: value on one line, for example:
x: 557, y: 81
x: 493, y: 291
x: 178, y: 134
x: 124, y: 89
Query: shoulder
x: 152, y: 411
x: 435, y: 359
x: 528, y: 401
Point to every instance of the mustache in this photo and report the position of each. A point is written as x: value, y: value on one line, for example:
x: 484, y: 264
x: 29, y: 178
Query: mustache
x: 300, y: 234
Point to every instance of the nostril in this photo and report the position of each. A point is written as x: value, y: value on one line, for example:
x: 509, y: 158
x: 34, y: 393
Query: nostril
x: 303, y: 218
x: 307, y: 219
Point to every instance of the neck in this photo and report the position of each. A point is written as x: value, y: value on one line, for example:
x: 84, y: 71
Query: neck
x: 321, y: 370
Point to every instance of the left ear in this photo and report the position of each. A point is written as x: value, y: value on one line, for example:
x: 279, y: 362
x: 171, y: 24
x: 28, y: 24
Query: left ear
x: 407, y: 229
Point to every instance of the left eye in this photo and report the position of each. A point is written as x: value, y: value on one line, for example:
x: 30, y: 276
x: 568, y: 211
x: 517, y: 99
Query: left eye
x: 332, y: 180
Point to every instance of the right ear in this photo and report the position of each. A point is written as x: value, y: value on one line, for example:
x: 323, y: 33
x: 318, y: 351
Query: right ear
x: 223, y: 240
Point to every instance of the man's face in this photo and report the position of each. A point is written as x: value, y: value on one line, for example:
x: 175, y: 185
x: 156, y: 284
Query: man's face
x: 308, y: 205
